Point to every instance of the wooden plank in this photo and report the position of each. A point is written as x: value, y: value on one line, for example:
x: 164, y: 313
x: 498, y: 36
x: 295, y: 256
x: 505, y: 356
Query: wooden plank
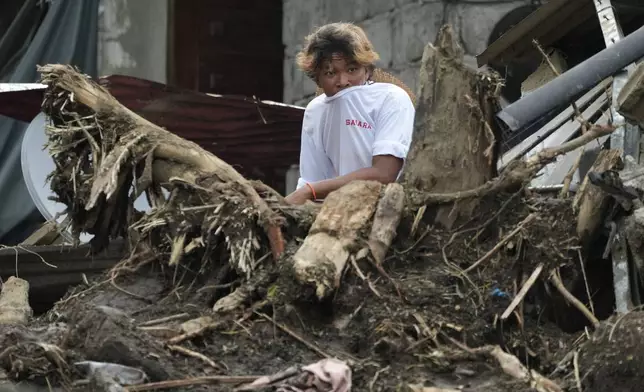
x: 45, y: 235
x: 523, y: 292
x: 549, y: 18
x: 566, y: 115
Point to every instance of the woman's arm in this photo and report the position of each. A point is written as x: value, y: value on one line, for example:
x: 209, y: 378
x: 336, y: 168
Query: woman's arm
x: 384, y: 169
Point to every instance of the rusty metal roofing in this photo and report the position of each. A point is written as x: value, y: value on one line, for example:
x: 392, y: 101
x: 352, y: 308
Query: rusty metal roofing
x: 20, y: 100
x: 261, y: 139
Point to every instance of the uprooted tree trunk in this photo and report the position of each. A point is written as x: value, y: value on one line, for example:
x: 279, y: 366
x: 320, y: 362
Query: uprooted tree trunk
x: 453, y: 144
x: 451, y: 162
x: 107, y: 156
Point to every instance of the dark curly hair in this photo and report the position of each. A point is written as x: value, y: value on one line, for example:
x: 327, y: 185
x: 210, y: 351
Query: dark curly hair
x: 345, y: 38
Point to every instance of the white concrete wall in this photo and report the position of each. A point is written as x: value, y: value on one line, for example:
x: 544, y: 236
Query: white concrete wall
x: 132, y: 38
x: 399, y: 29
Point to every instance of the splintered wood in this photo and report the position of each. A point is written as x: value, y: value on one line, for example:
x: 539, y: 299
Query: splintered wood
x: 14, y: 302
x: 386, y: 220
x: 450, y: 149
x: 591, y: 201
x: 335, y: 234
x: 103, y: 149
x: 630, y: 102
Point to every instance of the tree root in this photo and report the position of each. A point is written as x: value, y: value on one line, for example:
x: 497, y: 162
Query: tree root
x: 102, y: 149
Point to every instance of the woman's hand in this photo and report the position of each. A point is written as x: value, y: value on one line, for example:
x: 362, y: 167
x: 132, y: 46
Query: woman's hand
x: 299, y: 196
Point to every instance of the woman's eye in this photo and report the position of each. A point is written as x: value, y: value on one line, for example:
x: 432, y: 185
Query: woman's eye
x: 353, y: 69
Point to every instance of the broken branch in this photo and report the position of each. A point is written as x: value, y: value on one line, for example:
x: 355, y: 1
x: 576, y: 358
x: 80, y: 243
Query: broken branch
x: 266, y: 381
x: 362, y: 276
x: 206, y: 380
x: 164, y: 319
x: 517, y: 173
x: 511, y: 366
x: 556, y: 281
x: 194, y: 354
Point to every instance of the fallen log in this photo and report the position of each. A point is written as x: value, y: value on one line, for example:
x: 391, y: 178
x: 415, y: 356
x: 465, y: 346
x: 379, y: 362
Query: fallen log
x: 335, y: 234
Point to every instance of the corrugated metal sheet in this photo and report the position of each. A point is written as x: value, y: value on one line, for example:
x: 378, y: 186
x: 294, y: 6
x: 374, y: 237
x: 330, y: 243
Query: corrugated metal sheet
x: 20, y: 100
x: 261, y: 139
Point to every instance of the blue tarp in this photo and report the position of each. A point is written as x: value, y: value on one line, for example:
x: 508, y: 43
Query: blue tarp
x: 42, y: 32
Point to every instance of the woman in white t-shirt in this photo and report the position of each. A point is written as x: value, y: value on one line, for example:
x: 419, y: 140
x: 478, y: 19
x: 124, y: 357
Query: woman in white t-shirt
x: 356, y: 129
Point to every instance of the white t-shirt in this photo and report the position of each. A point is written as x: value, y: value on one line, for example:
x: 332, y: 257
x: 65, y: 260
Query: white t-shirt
x: 342, y: 133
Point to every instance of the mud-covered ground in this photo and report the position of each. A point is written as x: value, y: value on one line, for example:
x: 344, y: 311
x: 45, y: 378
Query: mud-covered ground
x: 410, y: 327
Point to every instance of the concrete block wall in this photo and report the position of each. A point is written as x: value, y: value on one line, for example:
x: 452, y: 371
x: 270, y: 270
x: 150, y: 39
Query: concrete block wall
x: 399, y: 29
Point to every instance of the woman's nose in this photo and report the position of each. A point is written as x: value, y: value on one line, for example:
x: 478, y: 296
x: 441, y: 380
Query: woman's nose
x: 343, y: 80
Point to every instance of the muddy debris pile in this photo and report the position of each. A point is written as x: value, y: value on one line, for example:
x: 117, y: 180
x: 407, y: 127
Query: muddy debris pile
x: 416, y: 320
x: 450, y: 280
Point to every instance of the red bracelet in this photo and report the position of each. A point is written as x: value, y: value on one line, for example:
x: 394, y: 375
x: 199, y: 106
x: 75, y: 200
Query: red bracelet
x: 312, y: 191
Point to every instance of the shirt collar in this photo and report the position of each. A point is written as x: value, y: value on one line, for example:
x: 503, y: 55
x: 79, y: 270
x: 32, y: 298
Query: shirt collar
x: 343, y: 92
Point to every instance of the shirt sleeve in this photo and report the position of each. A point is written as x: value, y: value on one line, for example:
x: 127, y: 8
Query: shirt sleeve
x: 394, y: 125
x: 313, y: 160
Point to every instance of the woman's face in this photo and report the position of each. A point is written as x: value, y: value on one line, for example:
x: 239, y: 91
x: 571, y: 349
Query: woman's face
x: 338, y: 73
